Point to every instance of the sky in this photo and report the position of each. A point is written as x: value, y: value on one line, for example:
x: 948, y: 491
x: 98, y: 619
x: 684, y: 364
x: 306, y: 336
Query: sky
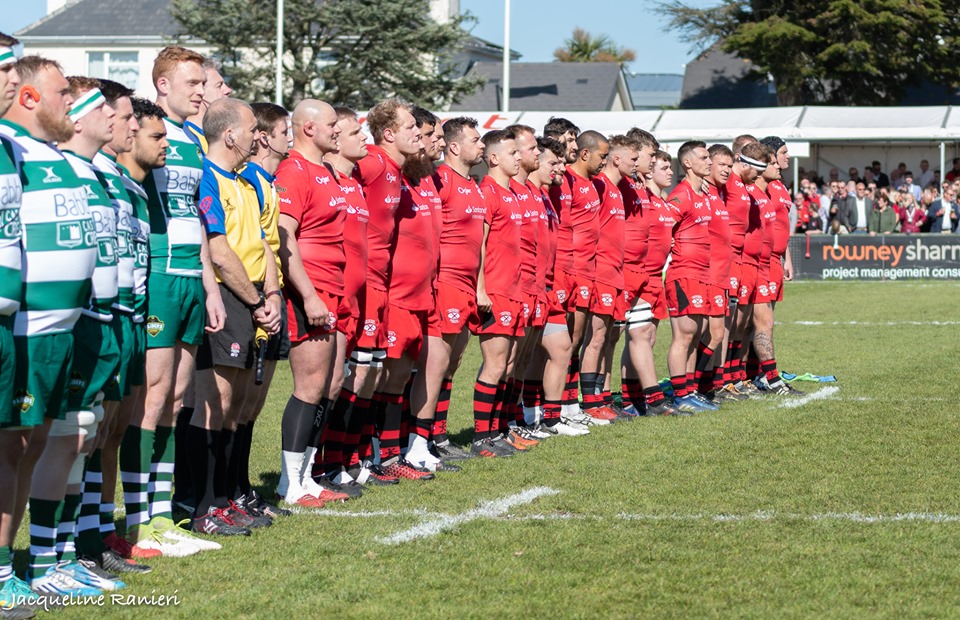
x: 536, y: 31
x: 537, y: 27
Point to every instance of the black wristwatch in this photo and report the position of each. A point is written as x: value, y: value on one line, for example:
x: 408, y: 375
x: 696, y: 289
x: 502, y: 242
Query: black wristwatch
x: 261, y: 302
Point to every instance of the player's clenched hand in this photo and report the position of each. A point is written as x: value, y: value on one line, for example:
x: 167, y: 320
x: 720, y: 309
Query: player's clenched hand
x: 484, y: 304
x: 216, y: 314
x: 317, y: 312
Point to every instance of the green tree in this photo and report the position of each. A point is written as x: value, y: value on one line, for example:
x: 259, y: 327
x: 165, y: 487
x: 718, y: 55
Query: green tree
x: 584, y: 47
x: 838, y: 52
x: 354, y: 52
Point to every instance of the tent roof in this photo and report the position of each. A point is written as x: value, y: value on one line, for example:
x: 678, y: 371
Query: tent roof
x: 799, y: 124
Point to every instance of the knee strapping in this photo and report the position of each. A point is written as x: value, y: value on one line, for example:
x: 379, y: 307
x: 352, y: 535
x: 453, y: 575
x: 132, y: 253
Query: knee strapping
x: 75, y: 423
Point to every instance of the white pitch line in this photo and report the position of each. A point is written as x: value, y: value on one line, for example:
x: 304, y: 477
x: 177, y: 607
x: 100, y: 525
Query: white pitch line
x: 486, y: 510
x: 759, y: 515
x: 821, y: 394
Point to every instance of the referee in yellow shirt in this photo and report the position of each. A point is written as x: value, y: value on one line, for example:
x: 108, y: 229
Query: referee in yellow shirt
x: 246, y: 272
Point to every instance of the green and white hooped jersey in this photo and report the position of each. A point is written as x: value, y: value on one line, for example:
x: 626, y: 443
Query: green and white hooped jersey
x: 103, y: 290
x: 11, y: 192
x: 174, y: 222
x: 59, y: 239
x: 107, y: 166
x: 140, y: 241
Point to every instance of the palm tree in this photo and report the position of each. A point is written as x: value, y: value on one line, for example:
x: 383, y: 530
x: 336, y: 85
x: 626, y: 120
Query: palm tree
x: 583, y: 47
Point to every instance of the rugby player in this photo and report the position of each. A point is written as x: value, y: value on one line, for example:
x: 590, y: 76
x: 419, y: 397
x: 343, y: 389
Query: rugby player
x: 607, y: 304
x: 96, y: 522
x: 530, y: 205
x: 745, y: 241
x: 13, y: 434
x: 312, y: 215
x: 546, y: 374
x: 781, y: 270
x: 183, y: 296
x: 96, y: 351
x: 395, y: 138
x: 413, y: 328
x: 499, y: 298
x: 592, y: 150
x: 342, y: 433
x: 58, y: 245
x: 711, y: 349
x: 463, y: 213
x: 214, y: 88
x: 688, y: 274
x: 149, y: 153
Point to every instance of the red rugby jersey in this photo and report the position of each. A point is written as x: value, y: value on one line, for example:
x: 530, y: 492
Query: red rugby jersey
x: 354, y: 237
x: 415, y: 257
x: 781, y: 226
x: 310, y: 194
x: 463, y: 211
x: 380, y: 177
x: 738, y: 210
x: 529, y: 229
x: 660, y: 226
x: 585, y: 219
x: 542, y: 202
x: 691, y: 236
x: 765, y: 213
x: 721, y: 255
x: 611, y: 240
x: 549, y: 232
x: 561, y: 197
x: 636, y: 227
x: 501, y: 273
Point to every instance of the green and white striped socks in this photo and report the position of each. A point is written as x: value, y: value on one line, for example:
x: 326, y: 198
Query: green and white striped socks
x: 161, y: 473
x: 135, y: 452
x: 44, y: 515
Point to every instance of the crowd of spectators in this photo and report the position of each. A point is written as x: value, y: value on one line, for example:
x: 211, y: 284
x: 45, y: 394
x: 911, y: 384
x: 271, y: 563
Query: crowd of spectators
x: 873, y: 202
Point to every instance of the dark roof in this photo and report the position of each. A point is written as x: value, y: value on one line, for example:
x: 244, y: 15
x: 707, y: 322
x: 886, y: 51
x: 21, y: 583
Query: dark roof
x: 546, y: 86
x: 717, y: 79
x: 106, y: 18
x: 654, y: 90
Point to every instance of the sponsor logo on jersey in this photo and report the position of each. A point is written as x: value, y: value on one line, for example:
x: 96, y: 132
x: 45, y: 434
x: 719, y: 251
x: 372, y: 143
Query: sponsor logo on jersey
x: 154, y: 325
x: 390, y: 177
x: 23, y: 400
x: 561, y: 295
x: 697, y: 301
x: 743, y: 291
x: 369, y: 327
x: 453, y: 315
x: 606, y: 299
x: 585, y: 292
x: 322, y: 180
x: 77, y: 382
x: 391, y: 338
x: 733, y: 283
x: 172, y: 153
x: 773, y: 288
x: 763, y: 289
x: 506, y: 318
x: 718, y: 300
x: 51, y: 176
x: 526, y: 310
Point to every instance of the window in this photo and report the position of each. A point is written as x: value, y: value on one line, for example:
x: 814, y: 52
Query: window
x: 123, y: 67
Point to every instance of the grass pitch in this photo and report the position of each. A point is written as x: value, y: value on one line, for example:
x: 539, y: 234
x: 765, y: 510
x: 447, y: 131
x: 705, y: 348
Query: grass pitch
x: 840, y: 507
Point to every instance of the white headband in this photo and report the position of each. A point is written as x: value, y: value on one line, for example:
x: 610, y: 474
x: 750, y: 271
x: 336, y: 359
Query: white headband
x: 86, y: 103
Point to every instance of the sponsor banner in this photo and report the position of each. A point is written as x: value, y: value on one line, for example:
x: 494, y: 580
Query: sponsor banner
x: 883, y: 257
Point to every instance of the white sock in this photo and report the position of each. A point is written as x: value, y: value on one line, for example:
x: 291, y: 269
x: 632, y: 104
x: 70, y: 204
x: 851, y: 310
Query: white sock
x: 419, y: 451
x: 289, y: 486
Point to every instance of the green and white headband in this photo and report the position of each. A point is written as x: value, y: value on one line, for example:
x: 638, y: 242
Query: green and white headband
x: 86, y: 103
x: 9, y: 55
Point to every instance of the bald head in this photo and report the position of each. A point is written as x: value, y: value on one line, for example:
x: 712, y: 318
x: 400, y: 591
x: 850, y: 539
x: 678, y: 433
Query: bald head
x: 590, y: 140
x: 224, y: 114
x: 315, y: 127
